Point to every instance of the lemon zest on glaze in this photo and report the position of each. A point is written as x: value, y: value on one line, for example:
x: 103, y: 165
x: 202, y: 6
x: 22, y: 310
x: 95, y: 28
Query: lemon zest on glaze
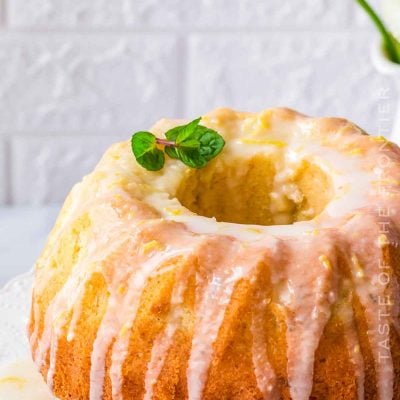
x: 173, y: 211
x: 254, y: 230
x: 266, y: 142
x: 356, y: 152
x: 121, y: 289
x: 387, y: 181
x: 357, y: 266
x: 153, y: 245
x: 59, y: 318
x: 379, y: 139
x: 265, y: 119
x: 383, y: 240
x: 125, y: 328
x: 13, y: 380
x: 325, y: 261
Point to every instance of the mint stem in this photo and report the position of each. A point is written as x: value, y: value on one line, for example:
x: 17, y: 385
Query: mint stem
x: 165, y: 142
x: 387, y: 39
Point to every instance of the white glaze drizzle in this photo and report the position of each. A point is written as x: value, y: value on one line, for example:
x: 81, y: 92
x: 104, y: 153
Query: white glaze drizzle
x: 113, y: 322
x: 71, y: 293
x: 213, y: 295
x: 304, y: 296
x: 265, y: 375
x: 81, y: 202
x: 52, y: 360
x: 353, y: 345
x: 164, y: 340
x: 369, y: 291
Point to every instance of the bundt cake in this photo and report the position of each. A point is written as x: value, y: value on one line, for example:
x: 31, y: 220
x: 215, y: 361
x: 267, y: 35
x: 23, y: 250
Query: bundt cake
x: 272, y: 273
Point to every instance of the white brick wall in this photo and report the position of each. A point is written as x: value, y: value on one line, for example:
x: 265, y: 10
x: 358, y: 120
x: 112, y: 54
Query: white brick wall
x: 62, y: 83
x: 3, y: 174
x: 45, y: 168
x: 76, y: 75
x: 178, y: 13
x: 318, y: 74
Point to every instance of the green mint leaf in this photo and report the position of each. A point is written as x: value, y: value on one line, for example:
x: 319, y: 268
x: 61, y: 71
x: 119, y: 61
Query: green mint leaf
x: 211, y: 143
x: 172, y: 152
x: 190, y: 144
x: 173, y: 133
x: 182, y: 132
x: 144, y: 148
x: 188, y: 131
x: 192, y: 158
x: 142, y: 142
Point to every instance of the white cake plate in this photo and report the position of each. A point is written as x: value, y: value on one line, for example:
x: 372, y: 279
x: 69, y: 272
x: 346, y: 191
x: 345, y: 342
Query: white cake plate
x: 19, y: 379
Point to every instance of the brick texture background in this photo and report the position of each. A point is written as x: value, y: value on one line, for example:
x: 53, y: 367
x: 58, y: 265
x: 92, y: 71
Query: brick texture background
x: 77, y: 75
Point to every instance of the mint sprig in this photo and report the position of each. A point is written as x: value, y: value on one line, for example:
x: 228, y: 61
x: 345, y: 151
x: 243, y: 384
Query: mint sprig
x: 392, y: 45
x: 193, y: 144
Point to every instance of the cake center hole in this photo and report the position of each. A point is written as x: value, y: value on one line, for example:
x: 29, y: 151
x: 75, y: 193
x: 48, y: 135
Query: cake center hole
x: 257, y: 191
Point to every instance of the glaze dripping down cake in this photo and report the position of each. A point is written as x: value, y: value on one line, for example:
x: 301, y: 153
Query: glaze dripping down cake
x: 272, y: 273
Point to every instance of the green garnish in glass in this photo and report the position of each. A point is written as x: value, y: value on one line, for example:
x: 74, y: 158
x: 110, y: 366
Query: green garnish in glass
x: 391, y: 44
